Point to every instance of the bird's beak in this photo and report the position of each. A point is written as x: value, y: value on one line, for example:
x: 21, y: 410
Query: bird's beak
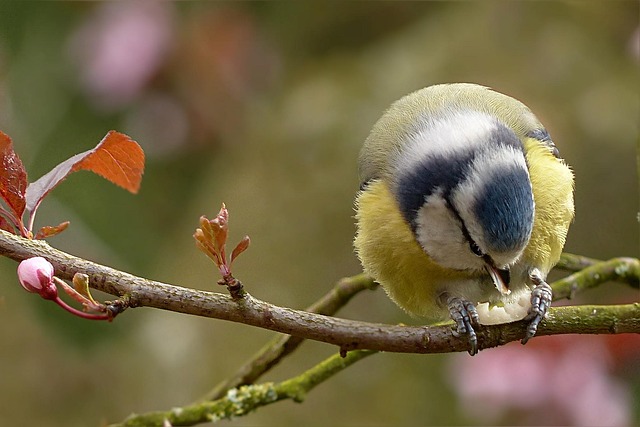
x: 499, y: 276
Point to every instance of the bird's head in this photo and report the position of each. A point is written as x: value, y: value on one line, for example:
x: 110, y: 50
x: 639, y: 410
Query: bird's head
x: 463, y: 185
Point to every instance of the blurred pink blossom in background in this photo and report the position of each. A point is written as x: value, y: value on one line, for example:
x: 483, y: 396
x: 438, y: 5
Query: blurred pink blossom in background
x: 560, y: 381
x: 120, y: 47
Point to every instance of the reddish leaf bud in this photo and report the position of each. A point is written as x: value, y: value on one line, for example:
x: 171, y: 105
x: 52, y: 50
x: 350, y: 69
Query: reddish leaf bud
x: 36, y: 275
x: 240, y: 247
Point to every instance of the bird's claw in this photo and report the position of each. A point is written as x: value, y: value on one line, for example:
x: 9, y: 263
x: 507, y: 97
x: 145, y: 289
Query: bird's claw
x: 465, y: 315
x: 540, y: 302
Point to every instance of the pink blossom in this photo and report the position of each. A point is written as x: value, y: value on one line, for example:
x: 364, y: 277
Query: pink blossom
x: 581, y: 384
x: 120, y: 47
x: 36, y: 275
x: 561, y: 380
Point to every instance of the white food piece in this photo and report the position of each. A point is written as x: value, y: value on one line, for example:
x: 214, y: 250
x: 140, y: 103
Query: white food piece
x: 512, y: 311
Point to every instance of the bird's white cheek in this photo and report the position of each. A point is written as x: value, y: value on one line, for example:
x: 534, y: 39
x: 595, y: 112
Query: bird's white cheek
x: 439, y: 234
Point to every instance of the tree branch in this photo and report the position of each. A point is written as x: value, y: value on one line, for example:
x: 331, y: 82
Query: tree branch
x: 355, y: 339
x: 346, y: 334
x: 246, y: 398
x: 281, y: 346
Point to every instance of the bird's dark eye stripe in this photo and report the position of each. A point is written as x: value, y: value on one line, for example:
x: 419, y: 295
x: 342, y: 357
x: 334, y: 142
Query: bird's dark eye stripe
x: 473, y: 246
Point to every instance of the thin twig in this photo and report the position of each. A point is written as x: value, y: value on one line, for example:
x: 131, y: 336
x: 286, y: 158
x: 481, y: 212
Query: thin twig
x: 625, y: 270
x: 575, y: 263
x: 241, y: 401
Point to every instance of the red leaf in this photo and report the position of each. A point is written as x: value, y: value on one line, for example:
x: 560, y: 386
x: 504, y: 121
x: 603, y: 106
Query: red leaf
x: 13, y: 177
x: 116, y: 158
x: 48, y: 230
x: 6, y: 226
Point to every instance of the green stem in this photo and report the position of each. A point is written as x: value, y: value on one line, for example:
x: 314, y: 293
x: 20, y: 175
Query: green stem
x: 617, y: 269
x: 243, y: 400
x: 574, y: 263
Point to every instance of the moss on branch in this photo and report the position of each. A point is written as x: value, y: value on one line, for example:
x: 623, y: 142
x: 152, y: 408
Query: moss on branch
x: 245, y: 399
x: 625, y: 270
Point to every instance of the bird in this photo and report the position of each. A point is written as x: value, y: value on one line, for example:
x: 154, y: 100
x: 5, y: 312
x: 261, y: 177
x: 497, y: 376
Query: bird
x: 463, y: 209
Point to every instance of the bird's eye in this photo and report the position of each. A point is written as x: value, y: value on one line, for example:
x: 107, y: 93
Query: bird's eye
x: 475, y: 249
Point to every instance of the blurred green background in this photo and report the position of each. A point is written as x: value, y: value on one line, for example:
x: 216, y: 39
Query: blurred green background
x: 264, y: 106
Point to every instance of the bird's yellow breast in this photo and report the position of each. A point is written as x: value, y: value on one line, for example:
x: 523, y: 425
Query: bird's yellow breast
x: 552, y: 183
x: 390, y: 253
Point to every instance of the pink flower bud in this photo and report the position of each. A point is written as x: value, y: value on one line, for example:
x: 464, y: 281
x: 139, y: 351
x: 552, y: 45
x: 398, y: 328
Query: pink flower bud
x: 36, y: 275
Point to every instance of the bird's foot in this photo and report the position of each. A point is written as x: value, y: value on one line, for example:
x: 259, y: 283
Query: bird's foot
x: 465, y: 315
x: 540, y: 302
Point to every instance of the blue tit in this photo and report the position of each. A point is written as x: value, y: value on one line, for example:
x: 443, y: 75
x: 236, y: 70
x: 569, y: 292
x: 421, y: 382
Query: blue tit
x: 464, y: 208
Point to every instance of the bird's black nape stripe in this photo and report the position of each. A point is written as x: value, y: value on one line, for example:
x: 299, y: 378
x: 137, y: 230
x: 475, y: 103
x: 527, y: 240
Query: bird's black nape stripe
x: 543, y: 136
x: 364, y: 184
x: 430, y: 175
